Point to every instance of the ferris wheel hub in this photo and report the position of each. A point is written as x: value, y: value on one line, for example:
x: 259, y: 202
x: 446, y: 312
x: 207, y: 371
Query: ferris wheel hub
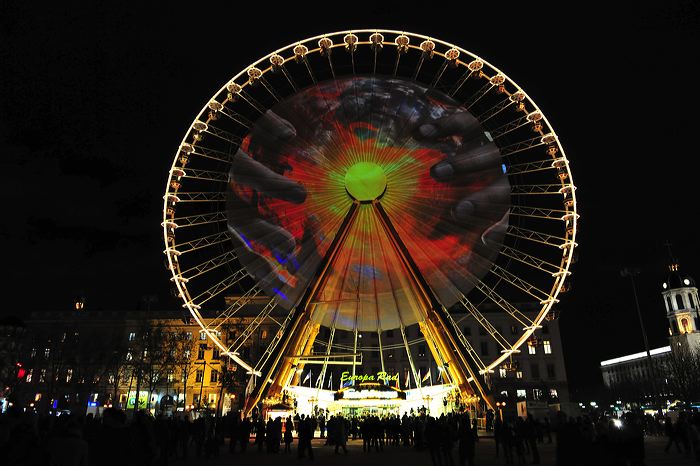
x: 365, y: 181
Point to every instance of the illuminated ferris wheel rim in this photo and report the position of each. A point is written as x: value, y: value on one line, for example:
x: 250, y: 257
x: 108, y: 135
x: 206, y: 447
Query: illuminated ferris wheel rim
x: 372, y: 37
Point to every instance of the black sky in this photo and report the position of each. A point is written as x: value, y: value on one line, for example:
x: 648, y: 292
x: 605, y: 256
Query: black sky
x: 94, y: 101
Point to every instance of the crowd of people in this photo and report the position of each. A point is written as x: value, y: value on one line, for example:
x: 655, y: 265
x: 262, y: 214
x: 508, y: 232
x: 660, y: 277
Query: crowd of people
x: 114, y: 439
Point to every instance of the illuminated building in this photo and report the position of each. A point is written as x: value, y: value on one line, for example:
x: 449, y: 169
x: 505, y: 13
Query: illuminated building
x: 680, y: 298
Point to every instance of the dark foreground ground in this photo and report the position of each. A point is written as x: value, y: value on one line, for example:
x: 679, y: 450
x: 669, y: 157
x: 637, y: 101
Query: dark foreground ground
x: 400, y: 456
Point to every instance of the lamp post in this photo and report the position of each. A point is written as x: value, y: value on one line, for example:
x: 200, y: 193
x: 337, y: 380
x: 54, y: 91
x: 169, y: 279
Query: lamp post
x: 500, y: 405
x: 631, y: 273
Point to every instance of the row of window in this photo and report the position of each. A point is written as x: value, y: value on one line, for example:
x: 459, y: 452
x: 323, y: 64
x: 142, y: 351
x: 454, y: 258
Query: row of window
x: 537, y: 394
x: 484, y: 347
x: 68, y: 376
x: 534, y: 372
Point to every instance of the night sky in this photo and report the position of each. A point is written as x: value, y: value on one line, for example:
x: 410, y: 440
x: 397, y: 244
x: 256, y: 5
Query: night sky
x: 94, y: 101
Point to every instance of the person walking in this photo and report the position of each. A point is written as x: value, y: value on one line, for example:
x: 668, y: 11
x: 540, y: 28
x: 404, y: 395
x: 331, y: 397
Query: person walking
x: 288, y: 436
x: 467, y: 436
x: 341, y: 437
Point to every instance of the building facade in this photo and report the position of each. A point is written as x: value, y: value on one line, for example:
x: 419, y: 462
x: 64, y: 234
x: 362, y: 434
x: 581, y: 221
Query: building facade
x: 86, y: 360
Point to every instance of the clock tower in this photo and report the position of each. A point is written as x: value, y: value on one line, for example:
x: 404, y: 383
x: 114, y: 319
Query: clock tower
x: 681, y: 301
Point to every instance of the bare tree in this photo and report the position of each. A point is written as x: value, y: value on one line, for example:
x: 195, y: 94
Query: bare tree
x: 682, y: 368
x: 183, y: 345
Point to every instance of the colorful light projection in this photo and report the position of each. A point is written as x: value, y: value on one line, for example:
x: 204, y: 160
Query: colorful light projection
x: 427, y: 160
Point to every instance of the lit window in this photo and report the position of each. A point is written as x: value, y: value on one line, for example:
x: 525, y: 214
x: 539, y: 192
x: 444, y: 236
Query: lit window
x: 111, y: 378
x: 519, y: 374
x: 553, y: 393
x: 170, y: 376
x: 132, y: 336
x: 33, y: 354
x: 42, y: 376
x: 521, y: 393
x: 129, y: 356
x: 531, y: 349
x: 502, y: 372
x: 263, y: 334
x: 537, y: 394
x: 200, y: 375
x: 188, y: 353
x: 188, y: 336
x: 47, y: 353
x: 214, y: 376
x: 69, y: 375
x: 29, y: 375
x: 547, y: 347
x: 202, y: 335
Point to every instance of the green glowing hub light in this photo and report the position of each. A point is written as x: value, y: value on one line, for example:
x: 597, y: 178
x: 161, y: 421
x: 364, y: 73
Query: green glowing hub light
x: 365, y: 181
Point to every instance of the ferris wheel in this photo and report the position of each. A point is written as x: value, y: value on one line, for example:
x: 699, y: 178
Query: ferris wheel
x: 365, y: 181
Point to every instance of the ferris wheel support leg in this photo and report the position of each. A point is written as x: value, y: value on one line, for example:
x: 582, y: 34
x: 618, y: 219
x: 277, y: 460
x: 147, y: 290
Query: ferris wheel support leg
x: 440, y: 340
x: 302, y: 332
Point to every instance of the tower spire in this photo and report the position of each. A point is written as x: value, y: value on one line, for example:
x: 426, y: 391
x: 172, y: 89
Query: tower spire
x: 673, y: 262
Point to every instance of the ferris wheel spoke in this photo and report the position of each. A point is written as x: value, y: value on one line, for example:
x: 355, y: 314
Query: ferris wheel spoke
x: 270, y: 88
x: 484, y: 322
x: 503, y: 303
x: 509, y: 127
x: 270, y: 350
x: 236, y: 118
x: 219, y: 288
x: 536, y: 189
x: 231, y: 310
x: 531, y: 167
x: 205, y: 175
x: 478, y: 95
x: 253, y: 326
x: 495, y: 110
x: 528, y: 259
x: 205, y: 241
x: 547, y: 139
x: 250, y: 100
x: 222, y: 134
x: 199, y: 219
x: 199, y: 196
x: 439, y: 73
x: 539, y: 212
x: 520, y: 283
x: 471, y: 352
x: 213, y: 154
x: 472, y: 68
x: 414, y: 372
x: 277, y: 65
x: 538, y: 237
x: 207, y: 266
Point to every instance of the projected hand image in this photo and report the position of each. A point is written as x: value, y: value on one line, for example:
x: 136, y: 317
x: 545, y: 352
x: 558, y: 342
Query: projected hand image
x: 446, y: 192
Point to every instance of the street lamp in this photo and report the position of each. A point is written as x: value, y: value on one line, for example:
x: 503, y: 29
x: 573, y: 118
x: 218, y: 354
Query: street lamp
x: 500, y: 405
x: 631, y: 273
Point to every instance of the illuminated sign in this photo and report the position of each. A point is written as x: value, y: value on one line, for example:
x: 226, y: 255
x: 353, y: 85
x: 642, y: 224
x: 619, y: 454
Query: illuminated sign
x: 370, y: 394
x: 143, y: 400
x: 378, y: 377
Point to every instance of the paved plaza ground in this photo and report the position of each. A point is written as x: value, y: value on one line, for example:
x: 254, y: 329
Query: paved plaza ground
x: 399, y: 456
